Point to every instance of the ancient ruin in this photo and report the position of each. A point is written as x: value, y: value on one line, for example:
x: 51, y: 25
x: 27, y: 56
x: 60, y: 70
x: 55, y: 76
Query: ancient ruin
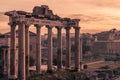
x: 41, y: 16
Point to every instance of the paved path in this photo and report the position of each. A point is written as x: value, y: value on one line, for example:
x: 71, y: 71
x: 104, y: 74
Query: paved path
x: 43, y: 67
x: 94, y: 62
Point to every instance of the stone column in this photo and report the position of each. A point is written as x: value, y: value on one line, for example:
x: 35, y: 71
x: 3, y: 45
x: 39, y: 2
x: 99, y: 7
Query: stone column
x: 8, y: 61
x: 68, y: 48
x: 38, y: 49
x: 13, y: 50
x: 78, y: 48
x: 4, y: 54
x: 21, y: 55
x: 81, y: 56
x: 27, y: 49
x: 59, y: 50
x: 50, y: 49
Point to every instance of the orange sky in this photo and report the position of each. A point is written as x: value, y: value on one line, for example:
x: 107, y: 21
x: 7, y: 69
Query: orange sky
x: 95, y: 15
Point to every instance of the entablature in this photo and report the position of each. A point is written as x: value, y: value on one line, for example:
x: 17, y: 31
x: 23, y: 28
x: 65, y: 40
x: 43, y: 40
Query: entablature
x: 42, y: 16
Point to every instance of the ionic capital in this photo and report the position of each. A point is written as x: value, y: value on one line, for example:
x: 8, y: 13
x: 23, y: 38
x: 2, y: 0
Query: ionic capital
x: 37, y: 25
x: 27, y: 25
x: 67, y: 28
x: 76, y: 21
x: 49, y: 27
x: 12, y: 24
x: 21, y: 22
x: 77, y: 28
x: 58, y: 27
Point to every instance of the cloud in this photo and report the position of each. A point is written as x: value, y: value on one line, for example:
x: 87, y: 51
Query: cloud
x: 101, y: 3
x: 3, y: 23
x: 85, y: 18
x: 3, y: 18
x: 4, y: 28
x: 96, y: 23
x: 90, y: 30
x: 95, y: 15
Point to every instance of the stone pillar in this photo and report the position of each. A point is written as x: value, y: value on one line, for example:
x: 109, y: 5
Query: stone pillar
x: 50, y: 49
x: 78, y: 48
x: 59, y: 50
x: 38, y: 49
x: 68, y: 48
x: 27, y: 49
x: 8, y: 62
x: 13, y: 50
x: 4, y: 57
x: 21, y: 55
x: 81, y: 56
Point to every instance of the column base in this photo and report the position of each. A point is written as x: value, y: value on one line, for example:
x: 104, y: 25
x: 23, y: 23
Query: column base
x: 38, y: 72
x: 77, y: 69
x: 12, y: 77
x: 60, y: 68
x: 68, y: 68
x: 49, y: 71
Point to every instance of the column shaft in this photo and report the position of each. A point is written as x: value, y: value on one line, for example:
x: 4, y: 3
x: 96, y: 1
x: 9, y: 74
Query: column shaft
x: 77, y: 52
x: 27, y: 49
x: 81, y: 56
x: 38, y: 49
x: 50, y: 52
x: 21, y: 55
x: 4, y: 60
x: 8, y: 61
x: 59, y: 50
x: 13, y: 50
x: 68, y: 48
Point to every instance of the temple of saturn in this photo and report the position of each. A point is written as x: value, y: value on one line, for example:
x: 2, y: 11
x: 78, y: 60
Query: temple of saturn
x: 41, y: 16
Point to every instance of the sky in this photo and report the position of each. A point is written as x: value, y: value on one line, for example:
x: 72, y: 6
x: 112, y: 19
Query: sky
x: 95, y: 15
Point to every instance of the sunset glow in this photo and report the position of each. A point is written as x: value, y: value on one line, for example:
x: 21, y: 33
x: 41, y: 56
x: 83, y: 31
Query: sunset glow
x: 95, y: 15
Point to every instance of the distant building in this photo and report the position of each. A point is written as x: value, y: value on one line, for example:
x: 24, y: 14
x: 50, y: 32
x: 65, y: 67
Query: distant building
x: 106, y: 43
x: 103, y: 44
x: 110, y: 35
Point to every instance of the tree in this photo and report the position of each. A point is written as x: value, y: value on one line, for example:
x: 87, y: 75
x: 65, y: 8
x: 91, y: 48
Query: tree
x: 73, y: 48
